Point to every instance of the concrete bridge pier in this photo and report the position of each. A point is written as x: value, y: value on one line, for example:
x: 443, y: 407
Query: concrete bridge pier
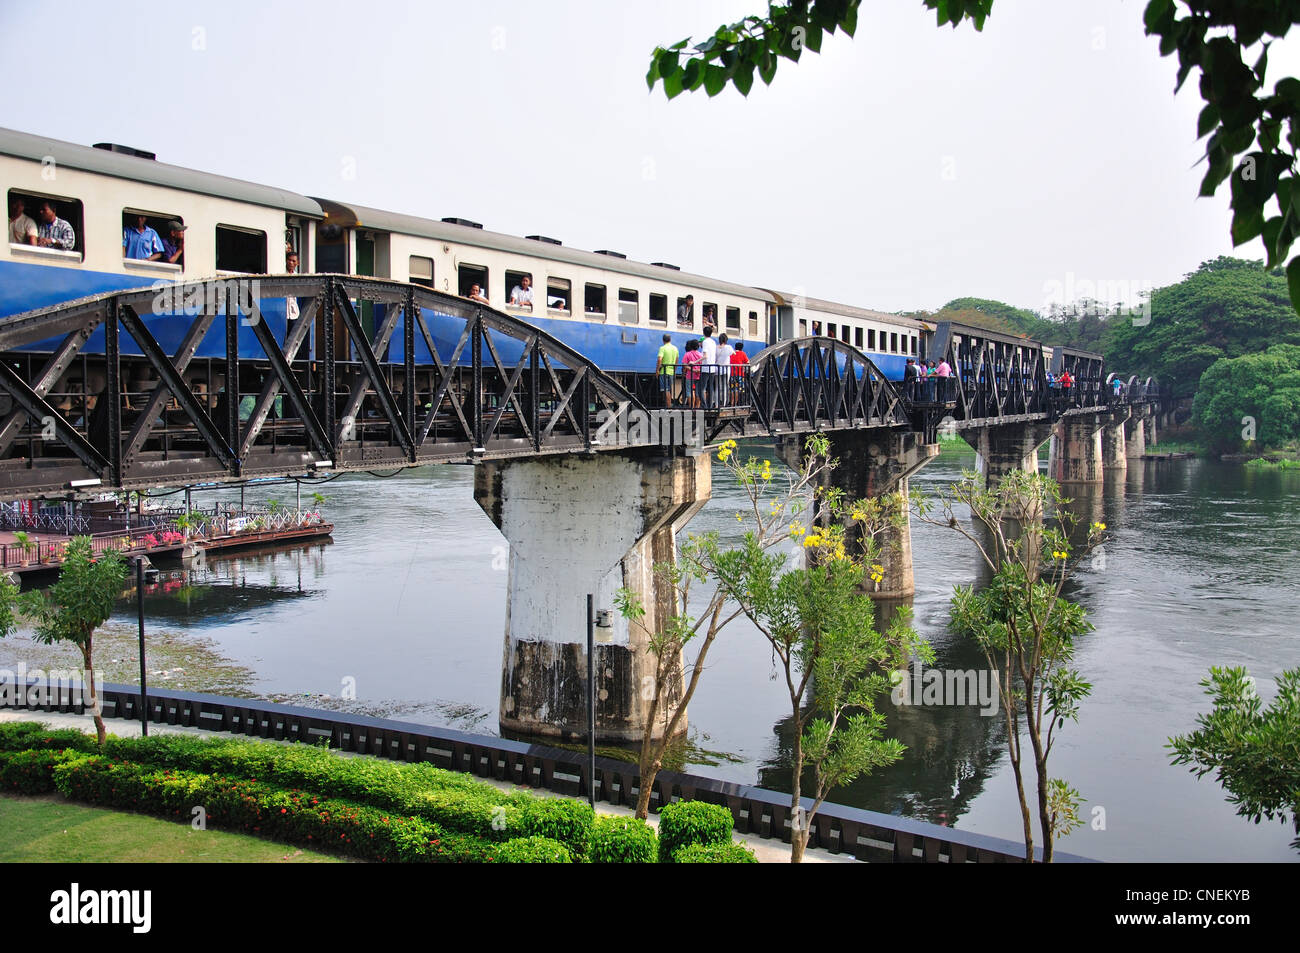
x: 872, y: 463
x: 1006, y: 447
x: 1135, y: 435
x: 578, y: 525
x: 1114, y: 447
x: 1076, y: 455
x: 1149, y: 415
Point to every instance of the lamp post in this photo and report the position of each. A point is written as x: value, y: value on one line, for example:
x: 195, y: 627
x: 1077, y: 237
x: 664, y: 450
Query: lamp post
x: 139, y: 603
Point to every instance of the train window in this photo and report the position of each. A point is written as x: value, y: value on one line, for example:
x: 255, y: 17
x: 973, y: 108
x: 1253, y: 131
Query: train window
x: 469, y: 277
x: 830, y: 330
x: 803, y: 328
x: 913, y: 344
x: 686, y: 312
x: 147, y: 236
x: 845, y: 331
x: 710, y: 315
x: 594, y: 301
x: 558, y: 294
x: 628, y: 306
x: 871, y: 339
x: 421, y: 271
x: 26, y: 230
x: 753, y: 324
x: 857, y: 338
x: 658, y: 309
x: 519, y: 290
x: 241, y: 249
x: 893, y: 342
x: 733, y: 319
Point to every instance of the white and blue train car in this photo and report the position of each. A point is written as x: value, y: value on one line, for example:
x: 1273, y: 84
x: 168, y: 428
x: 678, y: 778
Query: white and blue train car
x: 888, y: 339
x: 612, y: 310
x: 231, y: 228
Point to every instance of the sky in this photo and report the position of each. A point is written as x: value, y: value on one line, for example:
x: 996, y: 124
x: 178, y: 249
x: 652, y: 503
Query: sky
x: 898, y: 170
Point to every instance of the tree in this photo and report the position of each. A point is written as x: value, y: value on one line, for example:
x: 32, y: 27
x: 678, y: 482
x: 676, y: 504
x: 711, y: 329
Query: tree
x: 1024, y: 626
x: 78, y: 604
x: 1214, y: 36
x: 1252, y: 398
x: 702, y: 560
x: 1226, y: 308
x: 820, y: 626
x: 1254, y: 752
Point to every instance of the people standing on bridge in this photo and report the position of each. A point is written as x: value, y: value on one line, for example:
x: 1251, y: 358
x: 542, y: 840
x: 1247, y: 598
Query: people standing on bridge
x: 22, y: 229
x: 1117, y: 387
x: 54, y: 231
x: 691, y: 371
x: 739, y: 360
x: 666, y: 369
x: 709, y: 349
x: 943, y: 371
x: 141, y: 242
x: 725, y: 350
x: 911, y: 376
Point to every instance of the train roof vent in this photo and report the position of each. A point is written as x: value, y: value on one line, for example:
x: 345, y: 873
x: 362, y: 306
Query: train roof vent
x: 126, y: 150
x: 543, y: 238
x: 462, y: 221
x: 611, y: 254
x: 664, y: 264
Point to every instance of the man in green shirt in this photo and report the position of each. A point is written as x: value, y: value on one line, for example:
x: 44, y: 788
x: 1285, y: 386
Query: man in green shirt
x: 666, y: 369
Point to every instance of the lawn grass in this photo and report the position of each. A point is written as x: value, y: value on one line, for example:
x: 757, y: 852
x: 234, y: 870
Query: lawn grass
x: 48, y: 829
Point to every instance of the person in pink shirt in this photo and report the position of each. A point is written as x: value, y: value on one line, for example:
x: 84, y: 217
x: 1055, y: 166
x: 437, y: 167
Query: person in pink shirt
x: 691, y: 361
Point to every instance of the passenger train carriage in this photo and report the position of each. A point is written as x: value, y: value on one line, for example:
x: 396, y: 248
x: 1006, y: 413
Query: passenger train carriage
x: 612, y: 310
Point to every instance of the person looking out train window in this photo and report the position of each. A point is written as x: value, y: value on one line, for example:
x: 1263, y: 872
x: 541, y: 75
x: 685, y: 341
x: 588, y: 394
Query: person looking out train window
x: 22, y: 229
x: 54, y: 231
x: 291, y: 312
x: 686, y: 312
x: 476, y: 294
x: 174, y: 243
x: 141, y: 242
x: 521, y: 295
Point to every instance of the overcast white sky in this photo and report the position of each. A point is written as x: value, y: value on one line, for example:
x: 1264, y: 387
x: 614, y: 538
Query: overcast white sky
x: 896, y: 170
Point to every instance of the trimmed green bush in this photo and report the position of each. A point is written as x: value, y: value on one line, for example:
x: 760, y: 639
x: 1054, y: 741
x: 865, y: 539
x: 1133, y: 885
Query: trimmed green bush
x: 533, y: 850
x: 622, y: 840
x: 729, y: 853
x: 683, y: 823
x: 28, y: 735
x: 559, y: 819
x: 30, y: 772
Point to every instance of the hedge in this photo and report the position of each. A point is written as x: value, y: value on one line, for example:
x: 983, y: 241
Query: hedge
x: 454, y: 801
x: 728, y: 853
x: 683, y: 823
x: 533, y: 850
x: 622, y: 840
x: 30, y: 772
x: 256, y: 807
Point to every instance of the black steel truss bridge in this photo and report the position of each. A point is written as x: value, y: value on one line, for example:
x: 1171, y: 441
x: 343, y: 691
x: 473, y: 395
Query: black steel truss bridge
x: 376, y: 375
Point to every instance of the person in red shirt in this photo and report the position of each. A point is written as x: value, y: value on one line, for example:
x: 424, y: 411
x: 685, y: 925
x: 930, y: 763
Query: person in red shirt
x: 738, y: 374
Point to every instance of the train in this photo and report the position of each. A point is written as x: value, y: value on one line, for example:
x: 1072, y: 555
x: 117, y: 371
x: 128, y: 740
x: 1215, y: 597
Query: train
x: 609, y: 308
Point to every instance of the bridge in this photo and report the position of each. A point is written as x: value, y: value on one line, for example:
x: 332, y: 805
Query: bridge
x: 230, y: 379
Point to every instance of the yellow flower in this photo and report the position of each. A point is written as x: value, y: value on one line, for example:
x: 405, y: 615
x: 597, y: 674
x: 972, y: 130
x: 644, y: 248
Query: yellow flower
x: 1098, y: 526
x: 1059, y: 555
x: 796, y: 530
x: 738, y: 519
x: 813, y: 540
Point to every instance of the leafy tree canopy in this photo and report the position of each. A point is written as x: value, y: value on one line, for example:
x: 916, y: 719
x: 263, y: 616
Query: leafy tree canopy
x: 1224, y: 309
x: 1252, y: 397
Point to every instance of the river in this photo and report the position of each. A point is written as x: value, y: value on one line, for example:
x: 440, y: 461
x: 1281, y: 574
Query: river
x: 408, y: 603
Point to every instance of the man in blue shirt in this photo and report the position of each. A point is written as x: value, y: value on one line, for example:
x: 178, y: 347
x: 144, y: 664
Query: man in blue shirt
x: 174, y: 243
x: 54, y: 231
x: 141, y: 242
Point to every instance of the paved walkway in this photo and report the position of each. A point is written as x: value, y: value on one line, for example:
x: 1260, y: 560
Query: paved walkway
x: 767, y: 851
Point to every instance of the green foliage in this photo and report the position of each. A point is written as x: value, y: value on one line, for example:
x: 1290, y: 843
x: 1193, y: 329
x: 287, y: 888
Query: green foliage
x: 532, y: 850
x: 728, y: 853
x: 1224, y: 309
x: 735, y: 52
x: 30, y: 735
x: 82, y: 599
x: 30, y: 772
x: 622, y: 840
x: 558, y: 819
x: 1255, y: 397
x: 683, y: 823
x: 1254, y: 751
